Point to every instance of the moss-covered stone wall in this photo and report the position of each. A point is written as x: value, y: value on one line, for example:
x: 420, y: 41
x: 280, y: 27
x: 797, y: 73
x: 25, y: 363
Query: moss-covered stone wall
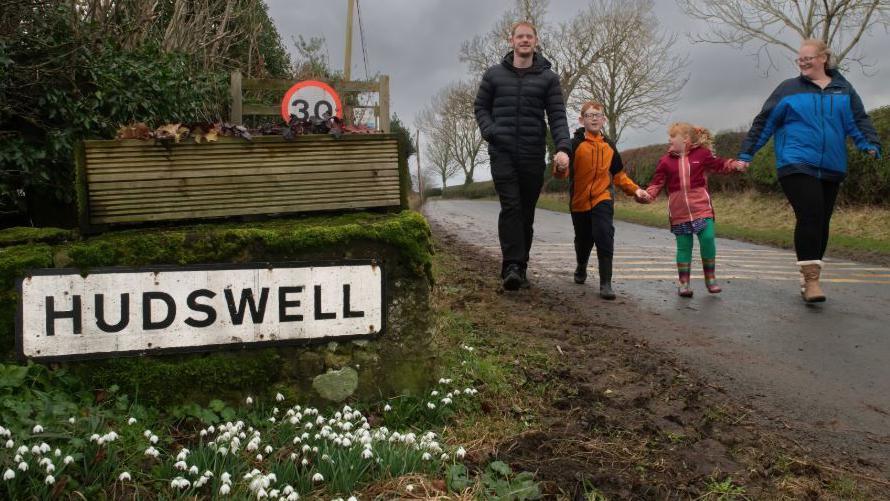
x: 398, y: 362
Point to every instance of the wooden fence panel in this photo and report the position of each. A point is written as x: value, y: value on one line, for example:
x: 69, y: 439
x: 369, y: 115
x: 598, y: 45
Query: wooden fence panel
x: 133, y: 181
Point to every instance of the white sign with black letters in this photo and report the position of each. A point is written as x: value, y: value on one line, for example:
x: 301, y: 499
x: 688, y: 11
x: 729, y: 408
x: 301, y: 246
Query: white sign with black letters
x: 64, y: 315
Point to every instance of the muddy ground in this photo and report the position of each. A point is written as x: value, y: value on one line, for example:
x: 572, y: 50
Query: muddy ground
x: 620, y: 419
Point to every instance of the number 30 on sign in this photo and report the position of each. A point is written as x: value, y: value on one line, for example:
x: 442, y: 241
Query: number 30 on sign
x: 311, y: 98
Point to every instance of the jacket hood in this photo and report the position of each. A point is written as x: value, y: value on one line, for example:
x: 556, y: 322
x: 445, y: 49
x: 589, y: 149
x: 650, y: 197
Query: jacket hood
x: 539, y: 62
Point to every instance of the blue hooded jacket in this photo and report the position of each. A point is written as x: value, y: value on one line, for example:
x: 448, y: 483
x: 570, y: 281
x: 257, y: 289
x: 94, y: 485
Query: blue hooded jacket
x: 811, y: 126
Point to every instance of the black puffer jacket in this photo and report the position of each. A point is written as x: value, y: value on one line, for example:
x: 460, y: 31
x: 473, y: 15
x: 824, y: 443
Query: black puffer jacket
x: 511, y: 104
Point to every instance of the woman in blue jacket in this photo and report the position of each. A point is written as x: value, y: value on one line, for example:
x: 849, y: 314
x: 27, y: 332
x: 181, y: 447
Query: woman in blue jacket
x: 811, y: 117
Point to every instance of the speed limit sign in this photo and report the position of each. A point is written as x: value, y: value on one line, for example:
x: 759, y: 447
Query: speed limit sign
x: 311, y: 98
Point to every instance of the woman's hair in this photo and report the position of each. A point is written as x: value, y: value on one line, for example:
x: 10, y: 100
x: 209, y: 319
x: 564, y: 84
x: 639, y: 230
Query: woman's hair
x: 591, y: 104
x: 523, y: 23
x: 698, y: 136
x: 823, y: 50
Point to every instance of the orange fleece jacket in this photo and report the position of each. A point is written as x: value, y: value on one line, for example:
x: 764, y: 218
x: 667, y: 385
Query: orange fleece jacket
x: 590, y: 174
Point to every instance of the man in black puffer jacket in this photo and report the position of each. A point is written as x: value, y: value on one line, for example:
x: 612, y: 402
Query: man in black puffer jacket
x: 510, y: 106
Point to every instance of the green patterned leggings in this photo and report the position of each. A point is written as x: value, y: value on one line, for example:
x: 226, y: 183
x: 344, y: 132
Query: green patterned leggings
x: 706, y: 241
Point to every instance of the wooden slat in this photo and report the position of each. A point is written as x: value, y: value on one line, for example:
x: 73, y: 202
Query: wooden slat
x: 309, y: 138
x: 345, y: 157
x: 246, y: 179
x: 261, y: 109
x: 231, y: 203
x: 217, y: 211
x: 175, y: 195
x: 149, y: 150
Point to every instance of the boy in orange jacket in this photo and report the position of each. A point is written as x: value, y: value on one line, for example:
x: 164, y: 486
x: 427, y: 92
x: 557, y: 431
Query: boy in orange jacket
x: 593, y: 168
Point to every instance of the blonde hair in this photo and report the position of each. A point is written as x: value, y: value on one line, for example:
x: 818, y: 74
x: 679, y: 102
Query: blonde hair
x: 523, y: 23
x: 822, y: 48
x: 591, y: 104
x: 698, y: 136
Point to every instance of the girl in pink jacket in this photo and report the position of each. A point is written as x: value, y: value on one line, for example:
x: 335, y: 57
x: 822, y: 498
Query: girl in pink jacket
x: 683, y: 170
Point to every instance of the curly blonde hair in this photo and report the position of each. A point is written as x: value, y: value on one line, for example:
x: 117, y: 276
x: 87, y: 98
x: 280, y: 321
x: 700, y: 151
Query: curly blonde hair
x: 698, y: 136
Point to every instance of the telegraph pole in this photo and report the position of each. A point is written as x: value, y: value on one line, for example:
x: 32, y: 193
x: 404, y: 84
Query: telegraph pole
x: 347, y: 59
x: 417, y: 159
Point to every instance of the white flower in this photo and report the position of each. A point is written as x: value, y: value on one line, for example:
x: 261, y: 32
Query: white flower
x: 35, y: 450
x: 461, y: 452
x: 194, y: 470
x: 147, y: 433
x: 10, y: 444
x: 259, y: 457
x: 203, y: 433
x: 132, y: 420
x: 304, y: 462
x: 8, y: 474
x: 151, y: 451
x: 153, y: 439
x: 49, y: 480
x: 224, y: 489
x: 261, y: 493
x: 72, y: 420
x: 446, y: 401
x: 68, y: 460
x: 293, y: 496
x: 426, y: 456
x: 37, y: 429
x: 23, y: 466
x: 317, y: 477
x: 352, y: 498
x: 180, y: 483
x: 272, y: 419
x: 431, y: 405
x: 279, y: 397
x: 183, y: 454
x: 248, y: 401
x: 50, y: 468
x: 367, y: 453
x: 387, y: 408
x: 287, y: 490
x: 409, y: 487
x: 268, y: 449
x: 444, y: 456
x: 208, y: 474
x: 226, y: 477
x: 434, y: 393
x: 180, y: 465
x: 57, y: 452
x: 444, y: 381
x: 124, y: 477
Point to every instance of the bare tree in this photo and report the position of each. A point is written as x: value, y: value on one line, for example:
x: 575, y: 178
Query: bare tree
x: 449, y: 120
x: 438, y: 156
x: 780, y: 24
x: 640, y: 80
x: 572, y: 46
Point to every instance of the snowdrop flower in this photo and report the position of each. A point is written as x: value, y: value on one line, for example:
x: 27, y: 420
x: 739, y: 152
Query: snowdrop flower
x: 36, y: 449
x: 444, y: 381
x: 124, y: 477
x: 272, y: 419
x: 274, y: 493
x: 409, y: 487
x: 50, y: 468
x: 431, y: 405
x: 23, y: 466
x: 208, y: 474
x: 259, y: 457
x: 318, y: 477
x: 200, y: 482
x: 279, y: 397
x: 444, y: 457
x: 426, y: 456
x: 153, y: 439
x: 461, y: 452
x: 37, y: 429
x: 248, y: 401
x: 111, y: 436
x: 147, y: 433
x: 226, y: 478
x: 305, y: 448
x: 352, y: 498
x: 304, y: 462
x: 268, y: 449
x: 446, y: 401
x: 72, y: 420
x: 222, y: 451
x: 261, y: 494
x: 49, y: 480
x: 434, y: 393
x: 151, y: 451
x: 224, y: 489
x: 10, y: 444
x: 287, y: 490
x: 22, y: 449
x: 57, y: 452
x: 211, y: 429
x: 68, y: 460
x: 293, y: 496
x: 203, y: 433
x: 367, y: 453
x: 180, y: 465
x: 194, y: 470
x: 347, y: 442
x: 183, y: 454
x: 180, y: 483
x: 132, y: 420
x: 8, y: 474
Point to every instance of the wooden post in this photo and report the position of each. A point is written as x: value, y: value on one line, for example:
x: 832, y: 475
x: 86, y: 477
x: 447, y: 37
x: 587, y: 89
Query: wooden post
x: 417, y: 159
x: 384, y: 103
x: 347, y: 58
x: 235, y: 115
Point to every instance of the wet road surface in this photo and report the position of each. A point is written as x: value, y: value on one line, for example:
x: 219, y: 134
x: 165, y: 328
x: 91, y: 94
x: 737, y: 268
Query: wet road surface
x: 824, y: 366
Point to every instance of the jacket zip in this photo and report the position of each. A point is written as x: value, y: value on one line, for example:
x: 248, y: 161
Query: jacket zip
x: 685, y: 181
x: 518, y: 114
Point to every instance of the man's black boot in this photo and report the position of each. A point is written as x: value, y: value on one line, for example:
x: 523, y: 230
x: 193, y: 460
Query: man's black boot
x: 605, y: 268
x: 523, y: 279
x: 512, y: 277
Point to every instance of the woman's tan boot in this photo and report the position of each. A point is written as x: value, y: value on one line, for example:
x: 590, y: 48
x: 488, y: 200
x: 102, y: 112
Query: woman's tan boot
x: 810, y: 288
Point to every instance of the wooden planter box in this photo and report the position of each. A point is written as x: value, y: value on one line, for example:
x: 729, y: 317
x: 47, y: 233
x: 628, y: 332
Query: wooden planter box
x: 134, y: 181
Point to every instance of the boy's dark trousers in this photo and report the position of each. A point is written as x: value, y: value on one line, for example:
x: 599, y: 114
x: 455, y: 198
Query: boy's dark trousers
x: 517, y: 181
x: 594, y: 227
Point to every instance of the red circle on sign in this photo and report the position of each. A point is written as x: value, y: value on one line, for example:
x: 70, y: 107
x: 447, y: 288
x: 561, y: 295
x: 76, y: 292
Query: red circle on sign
x: 304, y: 85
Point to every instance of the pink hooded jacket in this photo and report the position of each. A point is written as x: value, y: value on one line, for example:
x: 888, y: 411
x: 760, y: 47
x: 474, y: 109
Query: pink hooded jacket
x: 687, y: 182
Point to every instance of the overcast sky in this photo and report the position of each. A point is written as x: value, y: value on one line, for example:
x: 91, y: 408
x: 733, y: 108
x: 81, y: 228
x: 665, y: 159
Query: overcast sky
x: 416, y: 42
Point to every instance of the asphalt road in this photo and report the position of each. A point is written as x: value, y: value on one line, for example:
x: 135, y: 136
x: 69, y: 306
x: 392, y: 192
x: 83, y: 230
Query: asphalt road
x: 825, y: 367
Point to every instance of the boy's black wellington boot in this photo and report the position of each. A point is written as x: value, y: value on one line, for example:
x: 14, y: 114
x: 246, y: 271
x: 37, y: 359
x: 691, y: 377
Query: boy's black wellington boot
x: 605, y: 268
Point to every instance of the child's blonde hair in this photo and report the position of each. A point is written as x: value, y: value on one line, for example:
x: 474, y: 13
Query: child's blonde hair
x: 698, y: 136
x: 822, y: 48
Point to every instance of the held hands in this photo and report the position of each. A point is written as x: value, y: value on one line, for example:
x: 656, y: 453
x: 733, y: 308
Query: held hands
x: 561, y: 160
x: 642, y: 196
x: 873, y: 153
x: 740, y: 165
